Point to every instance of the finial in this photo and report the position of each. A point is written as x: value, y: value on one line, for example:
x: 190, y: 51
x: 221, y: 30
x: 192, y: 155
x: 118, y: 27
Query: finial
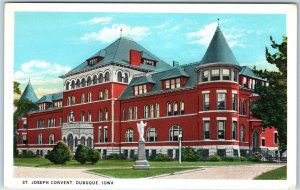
x: 121, y: 29
x: 218, y: 21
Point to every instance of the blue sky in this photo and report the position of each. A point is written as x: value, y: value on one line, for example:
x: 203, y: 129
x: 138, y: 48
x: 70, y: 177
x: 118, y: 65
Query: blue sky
x: 48, y: 44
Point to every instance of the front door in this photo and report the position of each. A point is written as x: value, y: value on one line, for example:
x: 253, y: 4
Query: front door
x: 255, y: 142
x: 70, y: 141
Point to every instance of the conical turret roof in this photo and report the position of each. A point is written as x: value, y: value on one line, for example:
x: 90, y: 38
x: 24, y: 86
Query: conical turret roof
x: 29, y: 93
x: 219, y: 51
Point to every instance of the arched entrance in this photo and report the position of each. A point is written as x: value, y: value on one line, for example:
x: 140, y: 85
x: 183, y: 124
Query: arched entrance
x: 255, y: 141
x: 70, y: 141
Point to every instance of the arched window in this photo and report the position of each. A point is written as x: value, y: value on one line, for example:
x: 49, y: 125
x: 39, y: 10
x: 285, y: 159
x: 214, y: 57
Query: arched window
x: 151, y: 134
x: 242, y: 135
x: 73, y: 100
x: 82, y: 140
x: 175, y: 108
x: 106, y: 76
x: 146, y: 111
x: 89, y: 97
x: 125, y: 79
x: 100, y: 95
x: 83, y: 82
x: 82, y: 99
x: 240, y: 106
x: 89, y: 142
x: 169, y: 112
x: 245, y: 107
x: 119, y: 75
x: 174, y: 133
x: 51, y: 139
x: 89, y: 81
x: 105, y: 114
x: 100, y: 78
x: 76, y: 141
x: 77, y: 83
x: 67, y: 85
x: 151, y: 111
x: 69, y: 101
x: 157, y: 110
x: 40, y: 139
x: 64, y: 139
x: 124, y: 114
x: 100, y: 115
x: 82, y: 117
x: 181, y: 107
x: 129, y: 135
x: 89, y: 116
x: 105, y: 94
x: 72, y: 84
x: 94, y: 79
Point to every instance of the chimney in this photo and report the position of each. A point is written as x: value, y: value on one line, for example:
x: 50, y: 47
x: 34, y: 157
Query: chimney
x: 135, y: 57
x: 175, y: 64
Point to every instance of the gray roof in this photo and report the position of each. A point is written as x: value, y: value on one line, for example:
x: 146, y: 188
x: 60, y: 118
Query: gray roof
x: 142, y: 80
x: 219, y: 51
x: 51, y: 97
x: 118, y: 52
x: 29, y: 93
x: 184, y: 70
x: 246, y: 71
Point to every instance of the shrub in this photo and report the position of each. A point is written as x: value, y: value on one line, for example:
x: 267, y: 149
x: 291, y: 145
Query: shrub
x: 93, y: 156
x: 81, y: 154
x: 190, y: 155
x: 214, y: 158
x: 60, y: 154
x: 162, y: 158
x: 28, y: 154
x: 255, y: 157
x: 116, y: 157
x: 243, y: 159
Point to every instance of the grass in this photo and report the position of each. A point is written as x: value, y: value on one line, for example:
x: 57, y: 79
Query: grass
x: 276, y: 174
x: 131, y: 173
x: 42, y: 162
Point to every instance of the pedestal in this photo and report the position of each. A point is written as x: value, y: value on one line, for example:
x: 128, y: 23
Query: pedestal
x: 141, y: 162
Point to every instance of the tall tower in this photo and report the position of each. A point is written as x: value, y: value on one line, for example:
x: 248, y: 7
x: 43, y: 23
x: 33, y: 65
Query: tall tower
x: 29, y: 93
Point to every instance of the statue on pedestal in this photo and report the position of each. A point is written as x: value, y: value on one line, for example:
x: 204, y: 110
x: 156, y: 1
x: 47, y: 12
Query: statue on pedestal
x: 141, y: 162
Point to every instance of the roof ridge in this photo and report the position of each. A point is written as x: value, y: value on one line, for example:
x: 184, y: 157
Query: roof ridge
x: 117, y: 48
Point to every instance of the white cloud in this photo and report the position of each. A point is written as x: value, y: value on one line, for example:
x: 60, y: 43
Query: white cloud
x: 205, y: 34
x: 98, y: 20
x: 42, y: 74
x: 261, y: 64
x: 107, y: 34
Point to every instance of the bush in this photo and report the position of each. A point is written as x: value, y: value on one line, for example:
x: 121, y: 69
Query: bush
x: 162, y: 158
x: 255, y: 157
x: 214, y: 158
x: 190, y: 155
x: 81, y: 154
x: 116, y: 157
x: 93, y: 156
x: 28, y: 154
x: 60, y: 154
x: 243, y: 159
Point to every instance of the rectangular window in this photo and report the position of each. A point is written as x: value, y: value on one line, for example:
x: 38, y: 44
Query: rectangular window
x: 99, y: 134
x: 178, y: 83
x: 145, y: 88
x: 157, y: 110
x: 172, y: 83
x: 140, y: 89
x: 234, y: 102
x: 234, y: 125
x: 226, y: 74
x: 221, y: 101
x: 245, y: 82
x: 130, y: 114
x: 206, y: 129
x: 167, y: 84
x: 105, y: 135
x: 275, y: 138
x: 215, y: 74
x: 123, y: 114
x: 136, y: 90
x: 263, y: 142
x: 205, y: 102
x: 24, y: 139
x: 205, y: 75
x: 135, y: 112
x: 170, y: 153
x: 221, y: 129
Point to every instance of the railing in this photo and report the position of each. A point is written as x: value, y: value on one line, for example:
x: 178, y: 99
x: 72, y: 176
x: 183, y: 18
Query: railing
x: 77, y: 125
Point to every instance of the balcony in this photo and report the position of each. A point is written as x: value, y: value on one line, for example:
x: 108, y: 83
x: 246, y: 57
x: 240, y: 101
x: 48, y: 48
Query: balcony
x: 79, y: 125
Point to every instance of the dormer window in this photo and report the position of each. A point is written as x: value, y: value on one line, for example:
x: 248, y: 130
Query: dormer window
x: 140, y: 89
x: 149, y: 62
x: 94, y: 60
x: 172, y: 83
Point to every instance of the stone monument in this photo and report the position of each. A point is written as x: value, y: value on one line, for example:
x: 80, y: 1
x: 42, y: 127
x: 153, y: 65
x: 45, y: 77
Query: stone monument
x: 141, y: 162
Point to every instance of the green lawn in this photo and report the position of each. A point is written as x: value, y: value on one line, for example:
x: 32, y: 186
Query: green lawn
x: 279, y: 174
x: 41, y: 162
x: 130, y: 173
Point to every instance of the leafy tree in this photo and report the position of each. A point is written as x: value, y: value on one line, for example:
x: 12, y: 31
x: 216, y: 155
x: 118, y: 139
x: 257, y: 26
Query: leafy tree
x: 271, y: 107
x: 93, y: 156
x: 60, y: 154
x: 81, y: 154
x: 17, y: 87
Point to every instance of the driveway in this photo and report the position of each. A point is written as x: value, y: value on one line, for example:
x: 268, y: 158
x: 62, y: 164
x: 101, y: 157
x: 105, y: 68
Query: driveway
x: 207, y: 172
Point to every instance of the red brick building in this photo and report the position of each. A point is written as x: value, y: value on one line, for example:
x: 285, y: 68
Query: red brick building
x: 104, y: 98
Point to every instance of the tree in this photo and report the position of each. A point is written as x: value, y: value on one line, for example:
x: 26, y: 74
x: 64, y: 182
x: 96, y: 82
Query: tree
x: 271, y: 107
x: 17, y: 88
x: 60, y: 153
x: 81, y: 154
x: 93, y: 156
